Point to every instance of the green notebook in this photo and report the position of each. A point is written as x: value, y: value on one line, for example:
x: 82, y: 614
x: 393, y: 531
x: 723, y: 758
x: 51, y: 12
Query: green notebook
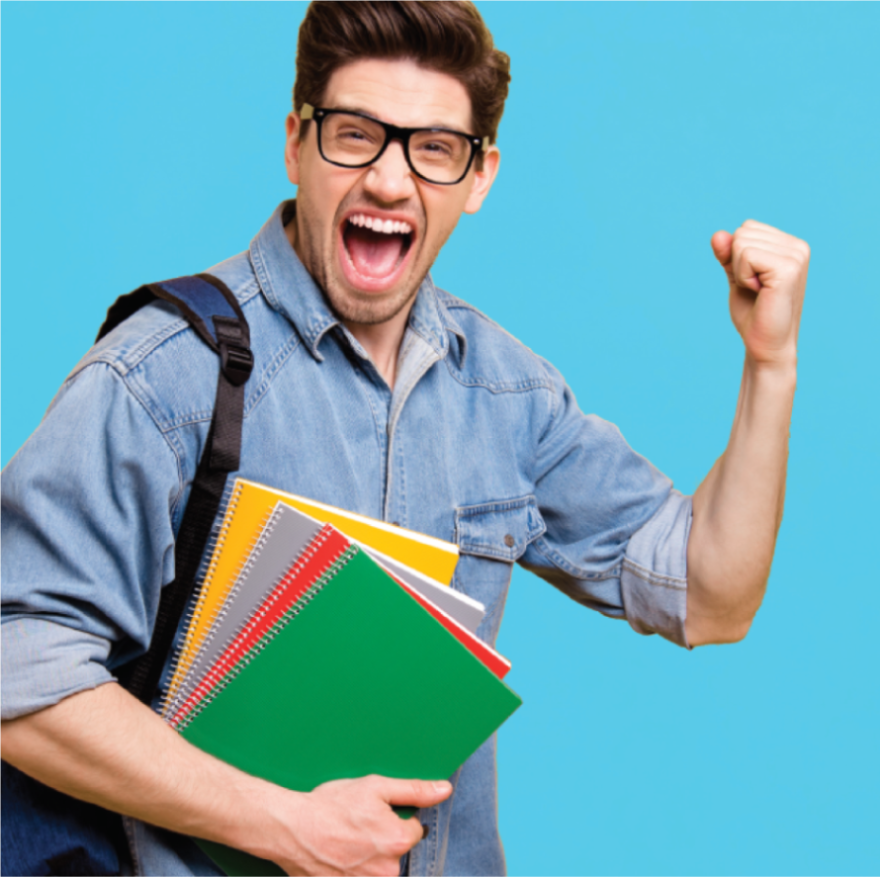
x: 360, y: 680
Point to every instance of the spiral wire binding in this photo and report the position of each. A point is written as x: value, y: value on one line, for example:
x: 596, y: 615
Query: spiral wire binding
x: 181, y: 722
x: 194, y: 655
x: 226, y: 659
x: 179, y: 664
x: 196, y: 674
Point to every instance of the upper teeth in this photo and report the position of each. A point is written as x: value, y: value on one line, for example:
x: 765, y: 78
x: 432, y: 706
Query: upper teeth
x: 385, y: 226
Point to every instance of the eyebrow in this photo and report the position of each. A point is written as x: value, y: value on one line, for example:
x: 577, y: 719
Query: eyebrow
x: 354, y: 108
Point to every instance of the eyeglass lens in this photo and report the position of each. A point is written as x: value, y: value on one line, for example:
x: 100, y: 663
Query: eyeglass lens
x: 439, y: 156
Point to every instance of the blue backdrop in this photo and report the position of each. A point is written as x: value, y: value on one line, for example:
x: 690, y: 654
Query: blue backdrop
x: 144, y: 141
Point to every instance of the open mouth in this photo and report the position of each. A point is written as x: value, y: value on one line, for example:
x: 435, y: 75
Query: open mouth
x: 375, y: 250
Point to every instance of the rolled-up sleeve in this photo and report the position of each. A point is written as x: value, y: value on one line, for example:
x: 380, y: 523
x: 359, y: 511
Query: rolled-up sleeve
x: 653, y: 577
x: 615, y: 531
x: 88, y: 538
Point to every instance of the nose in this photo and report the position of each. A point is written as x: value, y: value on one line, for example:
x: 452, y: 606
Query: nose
x: 389, y: 178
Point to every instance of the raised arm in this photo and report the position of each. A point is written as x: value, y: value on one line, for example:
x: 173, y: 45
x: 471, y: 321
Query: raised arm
x: 738, y: 508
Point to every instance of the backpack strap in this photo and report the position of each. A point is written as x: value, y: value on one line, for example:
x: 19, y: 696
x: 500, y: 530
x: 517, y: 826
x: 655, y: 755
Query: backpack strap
x: 212, y: 310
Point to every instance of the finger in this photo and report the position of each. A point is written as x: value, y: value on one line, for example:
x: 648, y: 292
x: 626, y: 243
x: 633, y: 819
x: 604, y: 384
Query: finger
x: 403, y: 835
x: 410, y: 832
x: 750, y: 227
x: 748, y: 264
x: 722, y: 246
x: 761, y: 251
x: 413, y: 793
x: 753, y: 223
x: 783, y: 243
x: 754, y: 266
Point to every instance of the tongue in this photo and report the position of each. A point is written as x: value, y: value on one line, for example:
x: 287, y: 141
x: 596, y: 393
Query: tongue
x: 374, y: 254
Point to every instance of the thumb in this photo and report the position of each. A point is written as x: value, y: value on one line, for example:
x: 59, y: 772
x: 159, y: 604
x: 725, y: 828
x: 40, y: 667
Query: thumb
x: 722, y: 247
x: 414, y: 793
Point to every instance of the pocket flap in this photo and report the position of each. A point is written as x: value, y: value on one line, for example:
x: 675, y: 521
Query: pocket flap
x: 500, y: 530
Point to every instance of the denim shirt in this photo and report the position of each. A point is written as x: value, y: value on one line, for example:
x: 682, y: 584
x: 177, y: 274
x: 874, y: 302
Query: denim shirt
x: 480, y: 442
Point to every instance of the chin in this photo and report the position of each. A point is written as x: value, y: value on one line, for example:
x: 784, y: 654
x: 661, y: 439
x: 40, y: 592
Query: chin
x: 366, y: 308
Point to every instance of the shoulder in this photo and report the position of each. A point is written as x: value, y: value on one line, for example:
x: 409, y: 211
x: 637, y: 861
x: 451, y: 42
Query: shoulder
x: 165, y: 364
x: 491, y: 356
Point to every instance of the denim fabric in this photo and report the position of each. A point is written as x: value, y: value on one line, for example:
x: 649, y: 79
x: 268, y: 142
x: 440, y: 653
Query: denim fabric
x: 480, y: 442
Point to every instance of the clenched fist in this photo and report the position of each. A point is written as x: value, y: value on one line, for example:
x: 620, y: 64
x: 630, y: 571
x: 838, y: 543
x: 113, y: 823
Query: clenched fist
x: 767, y: 272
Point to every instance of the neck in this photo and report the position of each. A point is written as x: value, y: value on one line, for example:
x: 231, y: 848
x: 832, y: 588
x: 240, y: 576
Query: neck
x: 381, y: 341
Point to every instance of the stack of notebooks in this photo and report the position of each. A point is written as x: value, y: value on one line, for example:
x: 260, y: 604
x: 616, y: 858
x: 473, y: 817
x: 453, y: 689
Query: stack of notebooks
x: 325, y: 645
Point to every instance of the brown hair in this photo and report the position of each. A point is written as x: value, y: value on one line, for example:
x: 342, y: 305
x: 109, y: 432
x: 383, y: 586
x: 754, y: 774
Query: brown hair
x: 450, y: 37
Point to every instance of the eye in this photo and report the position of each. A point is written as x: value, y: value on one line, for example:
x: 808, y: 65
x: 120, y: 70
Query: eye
x: 436, y: 147
x: 354, y: 135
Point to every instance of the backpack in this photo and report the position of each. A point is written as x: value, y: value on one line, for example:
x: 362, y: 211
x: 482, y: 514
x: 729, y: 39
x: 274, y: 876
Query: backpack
x: 45, y: 831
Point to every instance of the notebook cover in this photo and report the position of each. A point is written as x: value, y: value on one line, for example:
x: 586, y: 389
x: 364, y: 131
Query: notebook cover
x: 380, y: 687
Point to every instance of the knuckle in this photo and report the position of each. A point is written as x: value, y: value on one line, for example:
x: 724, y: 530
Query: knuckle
x: 372, y: 786
x: 400, y: 846
x: 401, y: 839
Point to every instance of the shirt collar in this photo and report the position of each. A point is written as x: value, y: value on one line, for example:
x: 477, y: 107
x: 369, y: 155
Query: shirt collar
x: 292, y: 291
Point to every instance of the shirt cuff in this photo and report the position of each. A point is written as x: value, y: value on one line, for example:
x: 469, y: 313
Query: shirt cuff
x: 44, y: 661
x: 653, y: 580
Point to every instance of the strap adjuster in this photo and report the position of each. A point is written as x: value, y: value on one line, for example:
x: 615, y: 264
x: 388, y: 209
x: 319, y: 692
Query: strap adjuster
x: 236, y: 362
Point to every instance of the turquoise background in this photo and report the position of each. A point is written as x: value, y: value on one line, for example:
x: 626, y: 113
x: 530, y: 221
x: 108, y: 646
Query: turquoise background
x: 143, y: 141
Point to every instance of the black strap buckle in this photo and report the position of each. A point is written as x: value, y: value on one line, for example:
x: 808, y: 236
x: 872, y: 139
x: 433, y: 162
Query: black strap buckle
x: 236, y: 362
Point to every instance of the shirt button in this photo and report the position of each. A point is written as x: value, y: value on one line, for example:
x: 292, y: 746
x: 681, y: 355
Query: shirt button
x: 509, y: 541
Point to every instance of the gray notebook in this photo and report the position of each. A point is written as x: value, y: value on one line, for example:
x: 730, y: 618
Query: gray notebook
x: 465, y: 610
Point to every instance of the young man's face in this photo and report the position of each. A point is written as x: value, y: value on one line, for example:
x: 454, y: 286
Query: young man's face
x: 370, y: 276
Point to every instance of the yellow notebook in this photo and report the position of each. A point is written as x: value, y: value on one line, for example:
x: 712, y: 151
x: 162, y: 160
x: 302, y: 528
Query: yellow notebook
x: 249, y: 508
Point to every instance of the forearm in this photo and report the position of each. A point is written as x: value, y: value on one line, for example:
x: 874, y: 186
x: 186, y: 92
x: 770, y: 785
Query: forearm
x: 104, y: 746
x: 738, y: 509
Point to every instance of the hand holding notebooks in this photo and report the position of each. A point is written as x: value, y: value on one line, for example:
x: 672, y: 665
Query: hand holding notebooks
x: 357, y: 678
x: 306, y: 660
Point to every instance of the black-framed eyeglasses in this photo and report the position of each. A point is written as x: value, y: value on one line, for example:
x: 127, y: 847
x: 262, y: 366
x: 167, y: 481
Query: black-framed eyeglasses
x: 436, y: 155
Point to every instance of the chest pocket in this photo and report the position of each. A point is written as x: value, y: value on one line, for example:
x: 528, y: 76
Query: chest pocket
x: 490, y: 537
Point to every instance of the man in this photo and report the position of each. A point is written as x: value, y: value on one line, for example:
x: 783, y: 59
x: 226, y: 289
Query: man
x: 373, y: 390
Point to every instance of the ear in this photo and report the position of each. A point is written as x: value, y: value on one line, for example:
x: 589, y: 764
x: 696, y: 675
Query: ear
x: 292, y: 147
x: 483, y: 180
